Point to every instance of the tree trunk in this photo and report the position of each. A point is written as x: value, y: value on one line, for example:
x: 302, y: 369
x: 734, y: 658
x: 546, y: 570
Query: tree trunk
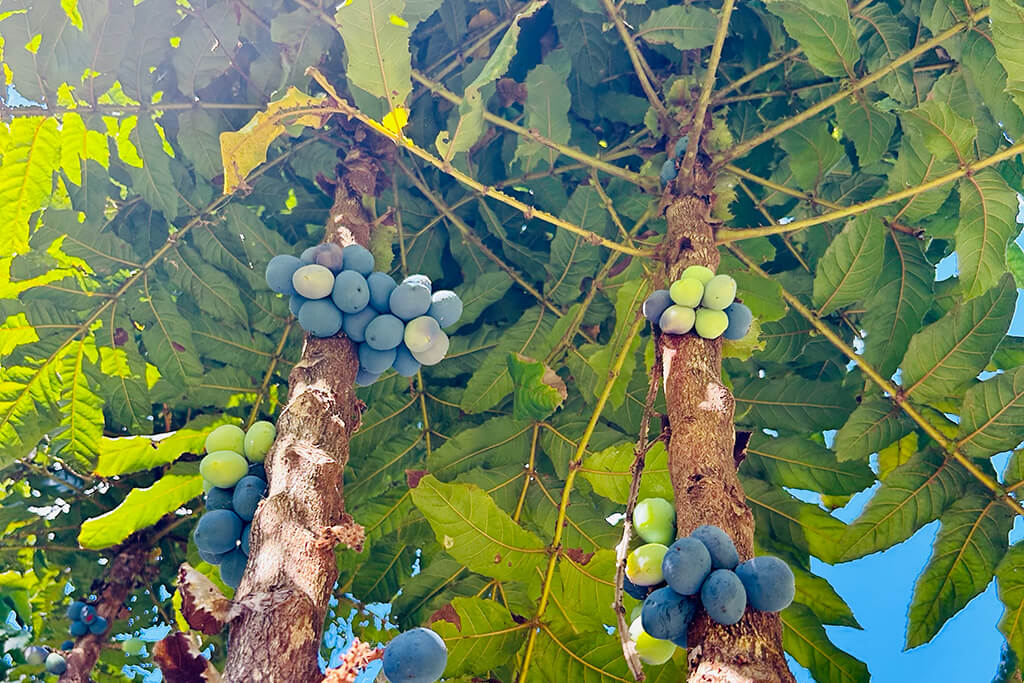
x: 703, y: 469
x: 291, y: 564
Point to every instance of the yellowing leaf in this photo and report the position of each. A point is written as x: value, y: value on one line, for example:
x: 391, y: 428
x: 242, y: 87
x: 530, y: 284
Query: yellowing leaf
x: 245, y: 149
x: 394, y: 121
x: 31, y: 155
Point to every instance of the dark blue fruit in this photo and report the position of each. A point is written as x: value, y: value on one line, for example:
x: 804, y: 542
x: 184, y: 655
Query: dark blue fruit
x: 67, y: 645
x: 668, y: 171
x: 279, y: 273
x: 218, y: 531
x: 416, y: 656
x: 724, y: 597
x: 667, y: 614
x: 769, y: 583
x: 374, y: 360
x: 351, y: 293
x: 365, y: 378
x: 354, y: 326
x: 331, y: 256
x: 409, y: 300
x: 405, y: 365
x: 88, y: 615
x: 308, y: 255
x: 75, y: 610
x: 232, y: 568
x: 445, y: 307
x: 384, y: 332
x: 720, y: 546
x: 740, y: 318
x: 246, y: 532
x: 686, y: 565
x: 380, y: 285
x: 211, y: 558
x: 295, y: 303
x: 359, y: 259
x: 98, y: 626
x: 257, y: 469
x: 78, y: 628
x: 633, y: 590
x: 248, y: 492
x: 656, y: 304
x: 55, y: 664
x: 219, y: 499
x: 320, y: 318
x: 680, y: 147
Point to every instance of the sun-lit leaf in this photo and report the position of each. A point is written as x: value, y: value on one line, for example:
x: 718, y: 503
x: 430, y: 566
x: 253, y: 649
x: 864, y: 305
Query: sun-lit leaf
x: 988, y: 211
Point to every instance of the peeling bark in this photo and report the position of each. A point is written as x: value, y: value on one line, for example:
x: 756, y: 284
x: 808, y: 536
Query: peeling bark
x: 703, y: 467
x: 279, y: 641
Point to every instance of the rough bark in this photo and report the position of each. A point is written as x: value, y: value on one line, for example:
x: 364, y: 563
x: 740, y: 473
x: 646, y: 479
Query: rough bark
x: 289, y: 562
x: 703, y: 469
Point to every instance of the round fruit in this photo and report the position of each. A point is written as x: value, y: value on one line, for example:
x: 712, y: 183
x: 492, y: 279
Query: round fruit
x: 35, y: 655
x: 313, y: 281
x: 218, y: 531
x: 405, y: 365
x: 422, y: 333
x: 351, y: 293
x: 651, y: 650
x: 88, y: 615
x: 409, y: 300
x: 258, y: 440
x: 445, y: 307
x: 667, y: 614
x: 308, y: 254
x: 223, y: 468
x: 720, y: 546
x: 78, y: 629
x: 656, y: 304
x: 320, y: 318
x: 359, y: 259
x: 686, y: 292
x: 218, y: 498
x: 279, y: 273
x: 98, y: 626
x: 232, y: 568
x: 719, y: 292
x: 631, y: 589
x: 686, y: 565
x: 655, y: 520
x: 723, y: 597
x: 703, y: 274
x: 419, y: 279
x: 709, y: 323
x: 381, y: 285
x: 677, y: 320
x: 354, y: 326
x: 668, y: 171
x: 295, y: 304
x: 435, y: 354
x: 643, y: 565
x: 55, y: 664
x: 414, y: 656
x: 384, y: 332
x: 680, y: 147
x: 211, y: 558
x: 330, y: 256
x: 67, y: 645
x: 740, y: 318
x: 248, y: 493
x: 769, y: 583
x: 133, y: 646
x: 226, y: 438
x: 75, y: 610
x: 365, y: 379
x: 258, y: 470
x: 246, y: 534
x: 375, y: 361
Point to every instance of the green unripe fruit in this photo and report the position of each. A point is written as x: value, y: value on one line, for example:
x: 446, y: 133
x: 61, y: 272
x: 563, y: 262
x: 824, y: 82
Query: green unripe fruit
x: 687, y: 292
x: 651, y: 650
x: 677, y: 320
x: 710, y: 324
x: 719, y: 292
x: 655, y: 520
x: 223, y: 468
x: 226, y: 438
x: 258, y: 440
x: 643, y: 565
x: 702, y: 274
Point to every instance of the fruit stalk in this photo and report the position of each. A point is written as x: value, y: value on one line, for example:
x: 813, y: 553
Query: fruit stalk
x: 703, y: 469
x: 291, y: 571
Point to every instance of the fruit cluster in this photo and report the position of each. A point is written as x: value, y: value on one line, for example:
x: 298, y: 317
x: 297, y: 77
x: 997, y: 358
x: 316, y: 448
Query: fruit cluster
x: 700, y: 301
x: 36, y: 655
x: 84, y: 619
x: 396, y: 325
x: 702, y: 569
x: 670, y: 169
x: 415, y: 656
x: 235, y: 482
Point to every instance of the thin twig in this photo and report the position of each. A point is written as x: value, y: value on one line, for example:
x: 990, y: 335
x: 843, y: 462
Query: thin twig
x: 639, y: 63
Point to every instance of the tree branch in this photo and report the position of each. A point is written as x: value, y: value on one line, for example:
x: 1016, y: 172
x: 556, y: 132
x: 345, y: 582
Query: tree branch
x: 639, y: 63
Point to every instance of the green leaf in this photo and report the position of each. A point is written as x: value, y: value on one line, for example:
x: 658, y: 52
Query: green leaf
x: 28, y: 408
x: 168, y: 337
x: 912, y: 495
x: 483, y: 638
x: 142, y: 508
x: 992, y: 418
x: 988, y: 213
x: 915, y: 165
x: 585, y: 588
x: 477, y: 294
x: 824, y: 31
x: 1007, y: 27
x: 608, y: 471
x: 989, y: 77
x: 971, y: 542
x: 883, y: 39
x: 1010, y: 584
x: 683, y: 26
x: 945, y: 355
x: 761, y: 294
x: 213, y: 291
x: 819, y: 595
x: 496, y: 442
x: 207, y: 47
x: 81, y: 426
x: 876, y: 423
x: 472, y: 529
x: 851, y: 264
x: 811, y: 151
x: 537, y: 389
x: 547, y: 111
x: 797, y: 462
x: 902, y: 297
x: 31, y: 153
x: 868, y: 127
x: 573, y: 257
x: 152, y: 178
x: 127, y: 454
x: 792, y: 522
x: 589, y: 658
x: 805, y: 639
x: 791, y: 403
x: 942, y: 131
x: 377, y: 48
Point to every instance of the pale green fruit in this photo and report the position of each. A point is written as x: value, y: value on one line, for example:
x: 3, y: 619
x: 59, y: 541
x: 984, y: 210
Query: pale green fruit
x: 651, y: 650
x: 703, y: 274
x: 223, y: 468
x: 710, y: 324
x: 421, y: 333
x: 687, y: 292
x: 258, y: 440
x: 677, y: 320
x: 226, y: 438
x: 643, y: 565
x: 719, y: 292
x: 655, y: 520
